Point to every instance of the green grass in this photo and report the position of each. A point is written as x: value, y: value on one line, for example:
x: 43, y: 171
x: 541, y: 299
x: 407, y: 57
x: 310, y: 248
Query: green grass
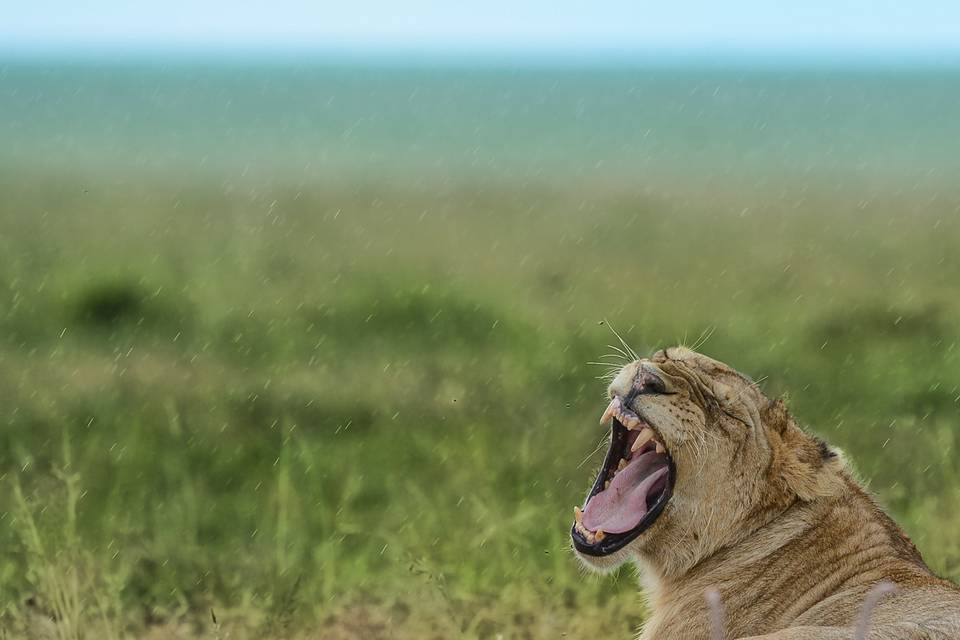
x: 334, y: 410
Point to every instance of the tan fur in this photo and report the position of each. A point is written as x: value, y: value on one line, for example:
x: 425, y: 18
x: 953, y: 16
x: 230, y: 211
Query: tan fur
x: 771, y: 517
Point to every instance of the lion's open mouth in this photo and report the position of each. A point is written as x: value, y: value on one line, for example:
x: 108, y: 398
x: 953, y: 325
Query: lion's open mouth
x: 634, y: 485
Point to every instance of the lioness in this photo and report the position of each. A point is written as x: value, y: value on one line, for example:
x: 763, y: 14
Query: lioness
x: 708, y: 484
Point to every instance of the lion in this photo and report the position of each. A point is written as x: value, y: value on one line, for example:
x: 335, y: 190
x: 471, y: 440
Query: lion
x: 712, y: 488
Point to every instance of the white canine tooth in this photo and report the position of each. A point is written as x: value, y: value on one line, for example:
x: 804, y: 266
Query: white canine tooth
x: 646, y: 435
x: 577, y: 514
x: 661, y: 448
x: 612, y: 409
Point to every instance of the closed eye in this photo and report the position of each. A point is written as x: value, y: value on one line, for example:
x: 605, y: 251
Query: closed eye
x: 652, y: 383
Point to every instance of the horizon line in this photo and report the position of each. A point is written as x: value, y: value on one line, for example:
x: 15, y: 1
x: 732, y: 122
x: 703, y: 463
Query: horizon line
x: 459, y: 56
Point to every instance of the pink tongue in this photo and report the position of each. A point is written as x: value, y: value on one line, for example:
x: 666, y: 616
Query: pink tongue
x: 622, y: 505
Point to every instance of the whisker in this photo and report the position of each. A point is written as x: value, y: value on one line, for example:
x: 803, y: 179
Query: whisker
x: 609, y: 375
x: 619, y: 357
x: 750, y: 383
x: 705, y: 335
x: 623, y: 354
x: 622, y: 341
x: 599, y: 446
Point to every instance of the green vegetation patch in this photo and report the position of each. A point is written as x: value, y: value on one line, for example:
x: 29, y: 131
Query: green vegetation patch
x: 245, y: 414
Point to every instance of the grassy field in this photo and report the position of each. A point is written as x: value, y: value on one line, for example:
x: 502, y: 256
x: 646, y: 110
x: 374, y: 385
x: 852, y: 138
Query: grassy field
x: 360, y: 411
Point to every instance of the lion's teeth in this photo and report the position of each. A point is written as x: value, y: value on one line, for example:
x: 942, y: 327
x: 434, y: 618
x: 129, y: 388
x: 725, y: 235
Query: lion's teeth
x: 583, y: 530
x: 612, y: 408
x: 599, y: 535
x: 632, y: 423
x: 577, y: 514
x: 586, y: 532
x: 646, y: 435
x: 661, y: 448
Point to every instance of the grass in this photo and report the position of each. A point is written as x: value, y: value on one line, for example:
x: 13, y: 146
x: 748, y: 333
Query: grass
x: 342, y: 412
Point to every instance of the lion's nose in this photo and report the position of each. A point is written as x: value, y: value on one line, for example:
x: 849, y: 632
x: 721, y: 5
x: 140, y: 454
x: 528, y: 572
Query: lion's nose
x: 623, y: 384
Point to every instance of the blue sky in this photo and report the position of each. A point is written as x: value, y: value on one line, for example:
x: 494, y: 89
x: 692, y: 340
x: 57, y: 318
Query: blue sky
x: 808, y: 27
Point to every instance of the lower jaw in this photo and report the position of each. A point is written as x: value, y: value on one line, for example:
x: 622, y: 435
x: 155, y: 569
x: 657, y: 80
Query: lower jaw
x: 614, y: 542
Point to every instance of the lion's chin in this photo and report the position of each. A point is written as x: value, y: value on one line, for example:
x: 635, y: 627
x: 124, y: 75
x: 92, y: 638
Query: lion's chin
x: 629, y: 494
x: 607, y: 563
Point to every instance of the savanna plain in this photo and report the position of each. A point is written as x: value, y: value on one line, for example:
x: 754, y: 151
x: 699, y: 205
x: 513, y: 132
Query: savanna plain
x: 347, y: 407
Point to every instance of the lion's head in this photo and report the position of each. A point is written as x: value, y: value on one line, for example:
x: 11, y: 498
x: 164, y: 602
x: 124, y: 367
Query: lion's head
x: 699, y: 458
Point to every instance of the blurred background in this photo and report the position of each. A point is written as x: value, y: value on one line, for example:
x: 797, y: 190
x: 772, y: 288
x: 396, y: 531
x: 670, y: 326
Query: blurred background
x: 301, y: 303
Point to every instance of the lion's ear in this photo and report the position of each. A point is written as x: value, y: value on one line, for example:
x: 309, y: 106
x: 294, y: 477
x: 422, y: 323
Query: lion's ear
x: 775, y: 416
x: 802, y: 463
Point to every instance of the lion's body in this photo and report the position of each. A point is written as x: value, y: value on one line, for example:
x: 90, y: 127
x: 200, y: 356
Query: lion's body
x: 811, y: 567
x: 771, y: 518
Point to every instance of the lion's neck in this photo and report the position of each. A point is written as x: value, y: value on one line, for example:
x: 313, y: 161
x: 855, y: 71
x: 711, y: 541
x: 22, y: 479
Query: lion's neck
x: 676, y: 589
x: 783, y: 568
